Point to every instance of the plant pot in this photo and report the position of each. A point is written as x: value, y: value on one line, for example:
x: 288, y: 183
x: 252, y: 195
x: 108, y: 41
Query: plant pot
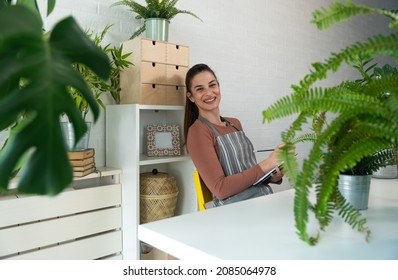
x: 355, y: 189
x: 69, y: 137
x: 157, y: 29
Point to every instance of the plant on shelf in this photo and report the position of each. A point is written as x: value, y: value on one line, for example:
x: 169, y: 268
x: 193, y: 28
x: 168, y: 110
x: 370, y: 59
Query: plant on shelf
x: 98, y: 86
x: 351, y: 122
x: 118, y: 61
x: 154, y: 9
x: 36, y: 72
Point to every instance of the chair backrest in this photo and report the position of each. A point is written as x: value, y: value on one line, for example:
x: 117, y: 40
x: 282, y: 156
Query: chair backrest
x: 203, y: 193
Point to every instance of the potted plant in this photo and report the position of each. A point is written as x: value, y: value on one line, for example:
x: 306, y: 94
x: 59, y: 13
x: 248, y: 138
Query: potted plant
x: 354, y: 182
x: 390, y: 171
x: 156, y: 15
x: 36, y: 71
x: 361, y: 119
x: 98, y: 86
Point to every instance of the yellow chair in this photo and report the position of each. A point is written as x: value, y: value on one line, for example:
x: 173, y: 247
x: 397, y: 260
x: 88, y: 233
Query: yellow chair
x: 203, y: 193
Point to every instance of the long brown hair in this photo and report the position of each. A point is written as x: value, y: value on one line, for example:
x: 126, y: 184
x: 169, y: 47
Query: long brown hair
x: 191, y: 110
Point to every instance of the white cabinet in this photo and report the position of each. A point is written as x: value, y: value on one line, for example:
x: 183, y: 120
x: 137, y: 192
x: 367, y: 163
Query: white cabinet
x: 82, y: 222
x: 126, y: 149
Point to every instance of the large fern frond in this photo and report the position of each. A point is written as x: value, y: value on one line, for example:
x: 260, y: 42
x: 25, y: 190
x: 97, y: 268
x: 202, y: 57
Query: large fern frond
x: 338, y: 12
x: 376, y: 45
x: 351, y: 215
x: 140, y: 10
x: 336, y: 99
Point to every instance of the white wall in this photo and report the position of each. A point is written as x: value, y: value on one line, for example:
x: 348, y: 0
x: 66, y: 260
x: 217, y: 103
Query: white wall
x: 258, y: 48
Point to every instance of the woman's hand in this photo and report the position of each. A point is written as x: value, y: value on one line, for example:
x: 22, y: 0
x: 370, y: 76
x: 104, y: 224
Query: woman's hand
x: 273, y: 161
x: 276, y: 177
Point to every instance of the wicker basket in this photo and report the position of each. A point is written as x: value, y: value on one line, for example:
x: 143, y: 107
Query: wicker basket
x: 158, y: 196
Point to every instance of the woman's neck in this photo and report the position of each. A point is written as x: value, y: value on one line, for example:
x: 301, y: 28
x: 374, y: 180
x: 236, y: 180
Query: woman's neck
x: 213, y: 117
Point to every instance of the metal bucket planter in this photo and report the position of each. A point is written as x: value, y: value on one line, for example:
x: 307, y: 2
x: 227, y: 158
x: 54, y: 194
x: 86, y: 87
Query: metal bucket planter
x: 157, y: 29
x: 355, y: 189
x: 69, y: 137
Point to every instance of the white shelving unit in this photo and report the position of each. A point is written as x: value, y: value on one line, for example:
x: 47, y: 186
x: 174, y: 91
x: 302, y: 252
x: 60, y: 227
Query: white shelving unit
x: 126, y: 149
x: 82, y: 222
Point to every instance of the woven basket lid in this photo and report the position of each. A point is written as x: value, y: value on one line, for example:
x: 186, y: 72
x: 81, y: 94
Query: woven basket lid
x: 157, y: 183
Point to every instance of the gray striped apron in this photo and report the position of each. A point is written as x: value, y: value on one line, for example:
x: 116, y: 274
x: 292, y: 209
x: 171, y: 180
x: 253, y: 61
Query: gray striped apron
x: 236, y: 155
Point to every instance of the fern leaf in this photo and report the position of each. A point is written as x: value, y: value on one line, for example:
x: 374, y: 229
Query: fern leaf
x: 376, y: 45
x: 336, y: 100
x: 307, y: 137
x: 350, y: 215
x: 339, y: 12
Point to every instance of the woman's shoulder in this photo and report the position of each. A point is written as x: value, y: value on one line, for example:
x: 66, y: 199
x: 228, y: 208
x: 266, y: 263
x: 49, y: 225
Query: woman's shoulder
x: 198, y: 128
x: 199, y: 134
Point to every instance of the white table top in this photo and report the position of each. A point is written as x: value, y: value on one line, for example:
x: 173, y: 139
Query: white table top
x: 263, y: 228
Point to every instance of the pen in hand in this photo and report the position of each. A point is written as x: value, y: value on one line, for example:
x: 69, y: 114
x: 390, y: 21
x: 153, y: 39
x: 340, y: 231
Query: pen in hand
x: 265, y: 150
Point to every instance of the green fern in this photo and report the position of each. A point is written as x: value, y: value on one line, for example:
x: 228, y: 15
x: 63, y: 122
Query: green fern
x: 165, y: 9
x: 362, y: 135
x: 376, y: 45
x: 339, y: 12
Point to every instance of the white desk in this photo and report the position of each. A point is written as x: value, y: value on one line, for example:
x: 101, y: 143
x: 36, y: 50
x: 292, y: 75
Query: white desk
x: 263, y: 228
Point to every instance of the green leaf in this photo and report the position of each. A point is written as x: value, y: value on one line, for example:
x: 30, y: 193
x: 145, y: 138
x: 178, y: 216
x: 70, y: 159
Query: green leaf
x: 50, y: 6
x: 31, y: 4
x: 338, y: 12
x: 46, y: 67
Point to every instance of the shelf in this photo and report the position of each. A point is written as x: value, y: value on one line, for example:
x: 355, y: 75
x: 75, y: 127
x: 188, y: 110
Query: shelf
x: 101, y: 172
x: 160, y: 107
x: 145, y: 160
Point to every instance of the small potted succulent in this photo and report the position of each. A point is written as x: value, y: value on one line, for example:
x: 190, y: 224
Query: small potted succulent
x: 156, y: 15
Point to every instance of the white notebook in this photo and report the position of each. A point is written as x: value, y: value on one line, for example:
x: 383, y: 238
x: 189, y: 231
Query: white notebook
x: 267, y: 175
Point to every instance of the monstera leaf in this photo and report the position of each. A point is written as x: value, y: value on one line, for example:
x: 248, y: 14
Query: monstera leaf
x: 35, y: 72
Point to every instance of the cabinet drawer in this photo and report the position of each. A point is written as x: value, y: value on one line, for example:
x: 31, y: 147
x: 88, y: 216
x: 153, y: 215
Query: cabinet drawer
x: 153, y: 51
x: 152, y: 94
x: 177, y: 54
x: 63, y: 229
x: 30, y: 208
x: 92, y: 248
x: 176, y: 75
x: 175, y: 95
x: 153, y: 73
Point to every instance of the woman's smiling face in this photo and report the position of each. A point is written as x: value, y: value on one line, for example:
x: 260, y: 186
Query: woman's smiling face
x: 205, y: 91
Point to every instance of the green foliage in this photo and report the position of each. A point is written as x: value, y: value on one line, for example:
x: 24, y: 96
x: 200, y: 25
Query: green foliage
x: 154, y: 9
x: 98, y: 86
x: 36, y: 70
x: 338, y: 12
x: 362, y: 133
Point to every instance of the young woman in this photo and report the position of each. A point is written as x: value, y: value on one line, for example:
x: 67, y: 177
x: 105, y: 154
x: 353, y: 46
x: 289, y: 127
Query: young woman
x: 219, y: 149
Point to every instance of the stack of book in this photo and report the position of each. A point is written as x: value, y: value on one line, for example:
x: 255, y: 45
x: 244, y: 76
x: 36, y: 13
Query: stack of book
x: 83, y: 162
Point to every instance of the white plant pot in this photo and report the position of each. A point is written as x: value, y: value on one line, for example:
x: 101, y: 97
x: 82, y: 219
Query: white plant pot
x: 69, y: 137
x: 157, y: 29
